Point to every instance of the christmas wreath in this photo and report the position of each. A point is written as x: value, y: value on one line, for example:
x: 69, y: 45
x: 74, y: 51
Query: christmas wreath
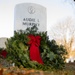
x: 33, y: 49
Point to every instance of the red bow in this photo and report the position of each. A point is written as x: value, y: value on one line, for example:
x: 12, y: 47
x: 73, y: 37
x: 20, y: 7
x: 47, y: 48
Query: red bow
x: 3, y: 53
x: 34, y: 48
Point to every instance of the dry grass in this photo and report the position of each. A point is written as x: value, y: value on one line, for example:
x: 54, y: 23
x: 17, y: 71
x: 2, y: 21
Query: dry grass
x: 68, y: 70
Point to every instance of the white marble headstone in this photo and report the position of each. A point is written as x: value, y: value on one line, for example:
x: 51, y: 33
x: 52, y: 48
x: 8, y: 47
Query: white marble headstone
x: 29, y: 14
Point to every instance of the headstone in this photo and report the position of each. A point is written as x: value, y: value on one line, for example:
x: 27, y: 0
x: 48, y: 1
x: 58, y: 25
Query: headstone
x: 2, y: 42
x: 28, y: 15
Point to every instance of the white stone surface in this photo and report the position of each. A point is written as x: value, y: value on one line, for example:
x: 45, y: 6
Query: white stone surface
x: 2, y: 42
x: 29, y: 14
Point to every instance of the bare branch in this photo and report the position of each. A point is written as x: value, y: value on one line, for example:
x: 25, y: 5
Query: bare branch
x: 64, y: 33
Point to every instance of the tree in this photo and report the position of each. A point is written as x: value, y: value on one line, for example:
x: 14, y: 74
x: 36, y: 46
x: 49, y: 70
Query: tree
x: 71, y: 2
x: 64, y: 33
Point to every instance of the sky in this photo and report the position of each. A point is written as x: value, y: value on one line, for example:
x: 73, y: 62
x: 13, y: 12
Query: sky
x: 57, y: 10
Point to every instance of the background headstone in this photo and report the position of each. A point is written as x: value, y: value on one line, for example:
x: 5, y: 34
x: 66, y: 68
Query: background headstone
x: 29, y: 14
x: 2, y: 42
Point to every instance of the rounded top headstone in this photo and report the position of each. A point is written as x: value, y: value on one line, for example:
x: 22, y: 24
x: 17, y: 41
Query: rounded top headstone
x: 30, y: 14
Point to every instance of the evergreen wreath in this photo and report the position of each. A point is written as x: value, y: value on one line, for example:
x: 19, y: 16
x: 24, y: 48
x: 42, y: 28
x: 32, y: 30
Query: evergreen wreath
x: 52, y: 54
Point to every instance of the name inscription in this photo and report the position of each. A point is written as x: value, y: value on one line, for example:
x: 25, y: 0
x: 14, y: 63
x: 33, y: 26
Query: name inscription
x: 30, y: 21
